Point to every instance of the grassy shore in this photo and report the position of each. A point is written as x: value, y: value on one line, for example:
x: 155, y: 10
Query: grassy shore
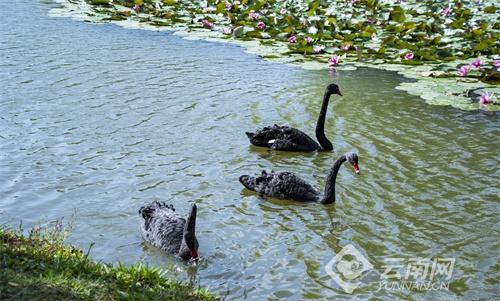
x: 32, y: 268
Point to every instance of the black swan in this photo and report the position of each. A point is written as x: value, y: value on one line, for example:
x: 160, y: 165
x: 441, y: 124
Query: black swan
x: 290, y: 139
x: 286, y: 185
x: 164, y: 229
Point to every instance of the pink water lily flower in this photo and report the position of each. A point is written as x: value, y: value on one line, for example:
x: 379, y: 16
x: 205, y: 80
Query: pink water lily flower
x: 309, y: 40
x: 318, y: 48
x: 228, y: 6
x: 447, y: 11
x: 136, y: 8
x: 344, y: 47
x: 497, y: 63
x: 208, y: 10
x: 292, y: 39
x: 207, y: 24
x: 261, y: 25
x: 283, y: 11
x: 476, y: 63
x: 334, y: 60
x: 484, y: 99
x: 227, y: 30
x: 409, y: 56
x: 462, y: 71
x: 253, y: 15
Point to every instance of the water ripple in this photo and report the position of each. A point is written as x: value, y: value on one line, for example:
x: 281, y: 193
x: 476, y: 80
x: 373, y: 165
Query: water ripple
x: 105, y: 119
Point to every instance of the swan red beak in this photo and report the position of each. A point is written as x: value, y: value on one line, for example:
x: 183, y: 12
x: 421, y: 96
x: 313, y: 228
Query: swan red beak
x: 194, y: 255
x: 356, y: 168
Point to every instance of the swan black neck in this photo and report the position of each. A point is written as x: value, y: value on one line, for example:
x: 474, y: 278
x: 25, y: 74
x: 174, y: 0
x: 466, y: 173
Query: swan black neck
x: 329, y: 196
x: 326, y: 145
x: 190, y: 228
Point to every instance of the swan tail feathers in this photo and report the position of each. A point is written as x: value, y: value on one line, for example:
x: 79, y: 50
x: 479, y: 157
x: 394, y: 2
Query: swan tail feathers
x: 256, y: 139
x: 147, y: 211
x: 259, y: 139
x: 264, y: 136
x: 248, y: 181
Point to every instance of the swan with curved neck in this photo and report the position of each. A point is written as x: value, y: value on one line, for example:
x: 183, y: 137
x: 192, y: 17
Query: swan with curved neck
x: 290, y: 139
x: 286, y: 185
x: 164, y: 229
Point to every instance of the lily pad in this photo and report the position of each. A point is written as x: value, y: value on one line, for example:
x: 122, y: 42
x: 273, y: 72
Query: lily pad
x: 377, y: 34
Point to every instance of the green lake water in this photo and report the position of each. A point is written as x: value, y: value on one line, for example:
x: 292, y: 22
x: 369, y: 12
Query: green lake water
x: 104, y: 119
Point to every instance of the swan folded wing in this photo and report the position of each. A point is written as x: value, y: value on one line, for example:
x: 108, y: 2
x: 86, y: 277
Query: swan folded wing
x: 262, y: 137
x: 164, y: 229
x: 285, y: 185
x: 294, y: 140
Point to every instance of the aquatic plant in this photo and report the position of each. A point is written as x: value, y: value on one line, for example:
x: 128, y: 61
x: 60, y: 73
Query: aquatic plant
x: 253, y: 15
x: 476, y: 63
x: 99, y: 2
x: 462, y: 71
x: 345, y: 47
x: 484, y: 99
x: 207, y: 24
x: 381, y: 34
x: 318, y: 48
x: 409, y: 56
x: 432, y: 30
x: 447, y: 11
x: 334, y: 61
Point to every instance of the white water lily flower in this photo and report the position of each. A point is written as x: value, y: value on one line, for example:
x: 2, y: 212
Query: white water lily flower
x: 330, y: 11
x: 312, y: 30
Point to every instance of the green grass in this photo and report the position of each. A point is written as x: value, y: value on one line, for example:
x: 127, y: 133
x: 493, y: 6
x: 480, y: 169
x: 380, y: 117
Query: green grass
x: 33, y: 268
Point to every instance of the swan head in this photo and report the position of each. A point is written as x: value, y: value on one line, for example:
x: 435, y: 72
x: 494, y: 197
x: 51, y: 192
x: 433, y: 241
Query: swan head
x: 333, y: 89
x: 352, y: 158
x: 189, y: 236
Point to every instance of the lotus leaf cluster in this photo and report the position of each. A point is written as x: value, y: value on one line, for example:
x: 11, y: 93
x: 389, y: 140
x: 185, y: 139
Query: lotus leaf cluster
x: 449, y: 35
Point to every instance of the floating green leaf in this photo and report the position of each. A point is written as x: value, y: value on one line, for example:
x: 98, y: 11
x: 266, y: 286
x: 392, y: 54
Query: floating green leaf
x: 397, y: 14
